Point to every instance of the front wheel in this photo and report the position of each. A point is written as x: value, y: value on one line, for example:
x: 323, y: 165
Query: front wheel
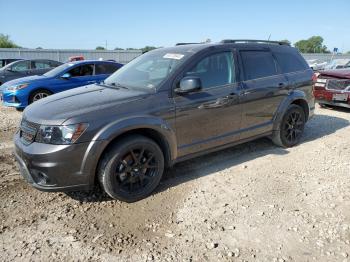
x: 37, y: 95
x: 291, y: 127
x: 131, y: 169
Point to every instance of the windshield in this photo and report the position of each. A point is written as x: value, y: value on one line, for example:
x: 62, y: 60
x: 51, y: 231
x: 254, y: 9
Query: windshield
x: 57, y: 70
x: 147, y: 71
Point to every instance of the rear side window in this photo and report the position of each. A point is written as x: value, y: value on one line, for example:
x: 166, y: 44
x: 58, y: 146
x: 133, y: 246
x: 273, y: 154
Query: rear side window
x: 258, y: 64
x: 290, y: 62
x: 105, y: 68
x: 41, y: 65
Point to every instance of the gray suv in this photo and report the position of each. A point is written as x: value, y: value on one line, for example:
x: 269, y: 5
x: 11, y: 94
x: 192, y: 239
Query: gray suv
x: 23, y: 68
x: 163, y: 107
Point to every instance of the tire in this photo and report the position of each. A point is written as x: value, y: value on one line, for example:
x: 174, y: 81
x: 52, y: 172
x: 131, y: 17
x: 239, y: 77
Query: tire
x: 131, y: 169
x: 291, y: 128
x: 38, y: 94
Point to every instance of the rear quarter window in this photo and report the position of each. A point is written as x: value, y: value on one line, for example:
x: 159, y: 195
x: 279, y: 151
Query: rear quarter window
x: 290, y: 61
x: 258, y: 64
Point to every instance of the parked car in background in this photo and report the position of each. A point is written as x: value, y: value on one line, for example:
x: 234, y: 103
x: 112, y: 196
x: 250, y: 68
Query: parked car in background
x: 332, y: 88
x: 6, y: 61
x: 338, y: 64
x: 21, y: 92
x: 24, y: 68
x: 316, y: 64
x: 163, y: 107
x: 76, y: 58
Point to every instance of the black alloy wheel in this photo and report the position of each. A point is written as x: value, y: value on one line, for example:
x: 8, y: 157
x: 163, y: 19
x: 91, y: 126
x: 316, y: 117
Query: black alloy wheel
x: 131, y: 169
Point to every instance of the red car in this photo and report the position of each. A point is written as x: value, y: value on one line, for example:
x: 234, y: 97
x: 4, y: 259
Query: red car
x: 332, y: 87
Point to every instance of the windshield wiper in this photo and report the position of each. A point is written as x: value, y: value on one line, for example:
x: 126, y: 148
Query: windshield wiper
x: 118, y: 85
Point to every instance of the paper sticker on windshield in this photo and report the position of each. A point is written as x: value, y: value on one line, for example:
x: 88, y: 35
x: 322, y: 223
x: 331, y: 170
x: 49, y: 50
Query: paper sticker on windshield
x: 173, y: 56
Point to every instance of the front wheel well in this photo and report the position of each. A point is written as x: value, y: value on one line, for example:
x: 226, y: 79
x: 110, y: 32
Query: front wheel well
x: 146, y: 132
x: 36, y: 90
x: 304, y: 105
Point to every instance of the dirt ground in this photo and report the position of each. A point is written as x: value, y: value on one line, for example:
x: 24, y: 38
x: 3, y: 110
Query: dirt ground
x: 253, y: 202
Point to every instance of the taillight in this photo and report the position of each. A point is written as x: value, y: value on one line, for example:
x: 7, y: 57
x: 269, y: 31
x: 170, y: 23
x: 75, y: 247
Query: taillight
x: 314, y: 77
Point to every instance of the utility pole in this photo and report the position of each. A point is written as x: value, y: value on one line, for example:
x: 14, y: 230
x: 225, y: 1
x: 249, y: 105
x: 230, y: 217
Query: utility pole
x: 106, y: 45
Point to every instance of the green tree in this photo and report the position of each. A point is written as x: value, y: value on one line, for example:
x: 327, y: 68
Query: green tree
x: 148, y: 48
x: 118, y: 48
x: 5, y: 42
x: 131, y: 48
x: 312, y: 45
x: 100, y: 48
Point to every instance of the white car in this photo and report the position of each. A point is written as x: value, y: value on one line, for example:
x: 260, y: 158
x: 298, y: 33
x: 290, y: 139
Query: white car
x: 338, y: 64
x: 316, y: 64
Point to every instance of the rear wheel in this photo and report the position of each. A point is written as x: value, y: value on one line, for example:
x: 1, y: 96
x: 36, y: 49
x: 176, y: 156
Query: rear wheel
x: 291, y: 127
x: 37, y: 95
x: 131, y: 169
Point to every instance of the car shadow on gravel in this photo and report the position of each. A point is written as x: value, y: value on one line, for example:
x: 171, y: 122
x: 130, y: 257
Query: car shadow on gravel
x: 320, y: 125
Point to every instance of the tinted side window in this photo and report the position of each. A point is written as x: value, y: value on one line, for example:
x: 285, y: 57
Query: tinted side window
x: 21, y: 66
x: 83, y: 70
x: 214, y: 70
x: 258, y: 64
x: 54, y: 63
x: 290, y: 62
x: 101, y: 69
x: 41, y: 65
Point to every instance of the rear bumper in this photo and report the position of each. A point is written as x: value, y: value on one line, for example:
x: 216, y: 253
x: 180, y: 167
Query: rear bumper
x: 56, y: 167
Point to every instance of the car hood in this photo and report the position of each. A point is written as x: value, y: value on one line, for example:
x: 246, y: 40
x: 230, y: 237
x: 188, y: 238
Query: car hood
x: 58, y: 108
x: 27, y: 79
x: 337, y: 73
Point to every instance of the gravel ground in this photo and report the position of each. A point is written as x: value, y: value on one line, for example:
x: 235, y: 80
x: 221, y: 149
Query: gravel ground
x: 253, y: 202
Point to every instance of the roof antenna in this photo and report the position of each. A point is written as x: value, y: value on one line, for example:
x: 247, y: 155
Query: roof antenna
x: 268, y: 39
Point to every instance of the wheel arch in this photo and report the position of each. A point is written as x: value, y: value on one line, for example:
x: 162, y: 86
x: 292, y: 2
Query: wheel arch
x: 162, y: 134
x: 297, y: 98
x: 36, y: 90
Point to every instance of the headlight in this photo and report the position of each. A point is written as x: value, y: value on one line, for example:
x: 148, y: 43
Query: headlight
x: 60, y: 135
x: 17, y: 87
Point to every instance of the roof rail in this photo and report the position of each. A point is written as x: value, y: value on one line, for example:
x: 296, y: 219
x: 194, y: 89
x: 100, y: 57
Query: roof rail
x: 232, y: 41
x: 187, y: 43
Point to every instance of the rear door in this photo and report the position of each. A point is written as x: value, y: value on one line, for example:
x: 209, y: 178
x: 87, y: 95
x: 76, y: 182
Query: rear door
x: 264, y: 87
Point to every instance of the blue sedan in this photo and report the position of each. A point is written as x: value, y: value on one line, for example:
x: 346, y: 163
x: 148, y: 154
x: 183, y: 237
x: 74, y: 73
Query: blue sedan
x: 21, y: 92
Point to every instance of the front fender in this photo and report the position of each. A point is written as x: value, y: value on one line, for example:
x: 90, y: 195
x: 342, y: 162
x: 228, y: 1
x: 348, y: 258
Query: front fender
x: 293, y: 96
x: 121, y: 126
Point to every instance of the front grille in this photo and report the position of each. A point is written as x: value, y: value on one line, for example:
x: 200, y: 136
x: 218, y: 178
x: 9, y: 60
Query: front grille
x: 28, y: 131
x: 338, y: 84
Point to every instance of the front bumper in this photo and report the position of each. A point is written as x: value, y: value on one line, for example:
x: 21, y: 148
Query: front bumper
x: 56, y: 167
x: 333, y: 103
x: 13, y: 99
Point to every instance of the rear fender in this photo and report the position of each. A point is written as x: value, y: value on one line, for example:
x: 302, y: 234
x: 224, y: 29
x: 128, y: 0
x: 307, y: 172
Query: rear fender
x: 293, y: 96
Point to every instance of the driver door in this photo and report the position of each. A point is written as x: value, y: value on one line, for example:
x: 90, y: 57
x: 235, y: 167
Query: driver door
x: 211, y: 116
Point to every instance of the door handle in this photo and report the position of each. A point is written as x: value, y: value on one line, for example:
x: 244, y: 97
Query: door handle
x: 220, y: 102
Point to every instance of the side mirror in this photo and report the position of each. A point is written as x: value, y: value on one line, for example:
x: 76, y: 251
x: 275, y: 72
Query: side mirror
x: 189, y: 84
x: 66, y: 76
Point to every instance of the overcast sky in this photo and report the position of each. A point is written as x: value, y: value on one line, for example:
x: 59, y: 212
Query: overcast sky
x: 87, y: 24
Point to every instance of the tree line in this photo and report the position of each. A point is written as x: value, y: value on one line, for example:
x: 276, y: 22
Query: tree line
x: 313, y: 44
